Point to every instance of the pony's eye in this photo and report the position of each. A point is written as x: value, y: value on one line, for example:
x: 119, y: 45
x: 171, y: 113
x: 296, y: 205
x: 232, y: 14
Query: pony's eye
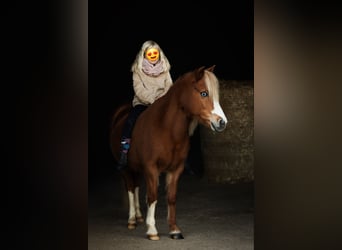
x: 204, y: 93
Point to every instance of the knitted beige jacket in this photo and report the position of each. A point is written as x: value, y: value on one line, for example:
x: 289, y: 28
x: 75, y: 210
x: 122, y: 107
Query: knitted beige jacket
x: 149, y: 88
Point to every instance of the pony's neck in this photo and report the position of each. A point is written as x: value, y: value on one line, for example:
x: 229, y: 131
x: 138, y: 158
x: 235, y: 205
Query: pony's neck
x: 175, y: 118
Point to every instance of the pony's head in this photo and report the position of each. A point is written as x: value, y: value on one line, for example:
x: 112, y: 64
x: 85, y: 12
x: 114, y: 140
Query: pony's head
x: 201, y: 100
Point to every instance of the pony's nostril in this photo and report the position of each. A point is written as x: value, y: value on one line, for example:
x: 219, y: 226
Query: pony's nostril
x: 219, y: 126
x: 222, y: 123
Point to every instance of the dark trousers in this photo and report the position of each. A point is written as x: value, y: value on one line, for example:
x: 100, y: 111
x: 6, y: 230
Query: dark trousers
x: 132, y: 117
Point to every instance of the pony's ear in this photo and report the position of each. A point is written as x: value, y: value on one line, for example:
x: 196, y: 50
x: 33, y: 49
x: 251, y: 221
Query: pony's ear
x: 211, y: 69
x: 199, y: 73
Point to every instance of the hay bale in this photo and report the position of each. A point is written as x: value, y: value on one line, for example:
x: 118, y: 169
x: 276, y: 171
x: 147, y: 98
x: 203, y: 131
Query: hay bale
x: 228, y: 157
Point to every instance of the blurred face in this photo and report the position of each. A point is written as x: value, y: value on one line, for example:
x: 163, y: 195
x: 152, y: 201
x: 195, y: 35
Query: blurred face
x: 152, y: 55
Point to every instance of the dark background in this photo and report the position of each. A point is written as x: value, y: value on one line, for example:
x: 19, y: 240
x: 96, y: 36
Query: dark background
x: 190, y: 36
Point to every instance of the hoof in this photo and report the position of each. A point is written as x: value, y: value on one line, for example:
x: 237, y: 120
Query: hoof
x: 140, y: 219
x: 176, y: 236
x: 153, y: 237
x: 131, y: 226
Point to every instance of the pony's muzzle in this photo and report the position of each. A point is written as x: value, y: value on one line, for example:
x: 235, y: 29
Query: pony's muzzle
x: 218, y: 121
x: 218, y: 125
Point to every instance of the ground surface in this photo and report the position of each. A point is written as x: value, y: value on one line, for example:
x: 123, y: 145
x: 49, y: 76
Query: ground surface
x: 211, y: 216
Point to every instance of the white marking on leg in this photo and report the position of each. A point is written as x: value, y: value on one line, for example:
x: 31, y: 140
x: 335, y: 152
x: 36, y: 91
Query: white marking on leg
x: 137, y: 203
x: 150, y: 220
x: 131, y: 211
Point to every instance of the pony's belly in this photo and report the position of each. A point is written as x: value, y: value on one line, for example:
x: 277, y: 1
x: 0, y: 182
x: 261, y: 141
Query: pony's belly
x: 171, y: 163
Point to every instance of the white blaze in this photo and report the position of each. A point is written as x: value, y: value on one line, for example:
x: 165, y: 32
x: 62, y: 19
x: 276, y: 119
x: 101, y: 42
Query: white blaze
x: 218, y: 111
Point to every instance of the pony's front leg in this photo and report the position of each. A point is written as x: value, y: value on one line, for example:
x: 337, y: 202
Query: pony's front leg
x: 171, y: 182
x: 152, y: 192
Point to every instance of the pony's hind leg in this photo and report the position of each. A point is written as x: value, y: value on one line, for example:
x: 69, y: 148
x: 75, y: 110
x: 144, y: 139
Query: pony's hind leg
x: 138, y: 214
x: 152, y: 192
x: 134, y: 212
x: 132, y: 223
x: 171, y: 182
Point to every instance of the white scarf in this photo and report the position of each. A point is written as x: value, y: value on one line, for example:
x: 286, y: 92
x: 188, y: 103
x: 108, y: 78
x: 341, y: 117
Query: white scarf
x: 152, y: 69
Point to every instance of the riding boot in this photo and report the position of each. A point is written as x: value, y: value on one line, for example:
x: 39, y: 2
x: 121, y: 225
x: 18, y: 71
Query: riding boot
x: 122, y: 162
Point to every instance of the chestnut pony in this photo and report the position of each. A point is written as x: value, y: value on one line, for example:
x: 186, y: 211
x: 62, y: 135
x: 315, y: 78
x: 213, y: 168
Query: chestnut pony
x: 160, y: 142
